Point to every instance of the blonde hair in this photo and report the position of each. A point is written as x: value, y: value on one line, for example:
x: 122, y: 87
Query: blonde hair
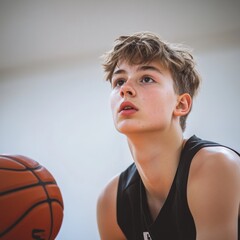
x: 145, y: 47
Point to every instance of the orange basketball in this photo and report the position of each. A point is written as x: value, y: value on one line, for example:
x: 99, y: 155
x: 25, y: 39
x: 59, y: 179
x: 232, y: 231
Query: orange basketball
x: 31, y: 204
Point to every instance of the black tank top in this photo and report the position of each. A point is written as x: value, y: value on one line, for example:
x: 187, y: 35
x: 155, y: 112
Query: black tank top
x: 175, y: 221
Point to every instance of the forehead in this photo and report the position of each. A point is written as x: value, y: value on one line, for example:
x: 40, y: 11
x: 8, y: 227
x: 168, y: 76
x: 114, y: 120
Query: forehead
x: 125, y: 66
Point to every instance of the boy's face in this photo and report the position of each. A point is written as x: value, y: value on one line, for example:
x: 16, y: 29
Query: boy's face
x: 142, y: 98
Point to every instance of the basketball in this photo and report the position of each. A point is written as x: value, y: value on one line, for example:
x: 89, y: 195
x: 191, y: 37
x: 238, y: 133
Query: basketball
x: 31, y: 204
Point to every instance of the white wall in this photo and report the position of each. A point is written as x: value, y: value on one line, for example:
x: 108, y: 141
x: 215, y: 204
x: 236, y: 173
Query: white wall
x: 216, y: 111
x: 61, y: 117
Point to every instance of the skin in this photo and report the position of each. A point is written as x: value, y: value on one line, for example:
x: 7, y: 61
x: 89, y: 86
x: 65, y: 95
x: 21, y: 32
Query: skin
x: 155, y: 140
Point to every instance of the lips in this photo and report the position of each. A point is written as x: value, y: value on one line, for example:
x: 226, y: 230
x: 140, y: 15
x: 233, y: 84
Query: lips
x: 127, y: 107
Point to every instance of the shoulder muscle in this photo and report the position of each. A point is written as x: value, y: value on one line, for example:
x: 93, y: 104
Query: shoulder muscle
x: 214, y: 192
x: 107, y: 214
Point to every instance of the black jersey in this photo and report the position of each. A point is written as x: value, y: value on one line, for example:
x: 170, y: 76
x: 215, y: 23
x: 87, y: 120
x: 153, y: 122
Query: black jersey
x: 175, y: 221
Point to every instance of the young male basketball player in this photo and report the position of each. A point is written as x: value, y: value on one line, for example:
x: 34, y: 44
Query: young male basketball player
x: 176, y: 188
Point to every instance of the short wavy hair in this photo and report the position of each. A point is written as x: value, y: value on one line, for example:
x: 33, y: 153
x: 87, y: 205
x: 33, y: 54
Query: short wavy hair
x: 144, y: 47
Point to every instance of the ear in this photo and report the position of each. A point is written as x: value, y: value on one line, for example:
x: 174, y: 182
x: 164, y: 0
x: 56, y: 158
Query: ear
x: 184, y: 105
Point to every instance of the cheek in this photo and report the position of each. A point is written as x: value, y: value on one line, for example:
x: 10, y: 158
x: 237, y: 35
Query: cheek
x: 160, y: 105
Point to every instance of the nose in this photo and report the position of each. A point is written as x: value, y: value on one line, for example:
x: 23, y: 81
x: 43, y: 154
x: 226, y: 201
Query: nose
x: 127, y: 90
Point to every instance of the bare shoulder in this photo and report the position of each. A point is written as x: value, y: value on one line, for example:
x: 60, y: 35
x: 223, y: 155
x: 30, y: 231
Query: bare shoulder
x: 107, y: 212
x: 214, y: 192
x: 217, y: 167
x: 220, y: 159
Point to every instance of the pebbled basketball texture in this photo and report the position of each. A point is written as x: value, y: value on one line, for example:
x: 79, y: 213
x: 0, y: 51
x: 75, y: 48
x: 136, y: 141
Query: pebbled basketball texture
x: 31, y: 204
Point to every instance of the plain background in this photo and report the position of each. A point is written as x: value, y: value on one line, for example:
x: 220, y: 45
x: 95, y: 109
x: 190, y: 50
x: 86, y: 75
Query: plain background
x: 54, y: 102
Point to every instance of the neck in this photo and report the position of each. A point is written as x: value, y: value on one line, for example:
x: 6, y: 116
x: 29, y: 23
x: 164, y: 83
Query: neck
x: 156, y: 156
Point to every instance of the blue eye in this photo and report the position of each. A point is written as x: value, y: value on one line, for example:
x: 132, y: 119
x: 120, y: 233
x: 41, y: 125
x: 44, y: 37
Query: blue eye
x: 147, y: 80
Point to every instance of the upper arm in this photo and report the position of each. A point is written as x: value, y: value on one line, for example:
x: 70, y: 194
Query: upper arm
x: 107, y: 213
x: 214, y: 193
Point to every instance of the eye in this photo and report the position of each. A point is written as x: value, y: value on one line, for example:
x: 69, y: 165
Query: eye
x: 118, y: 82
x: 147, y: 80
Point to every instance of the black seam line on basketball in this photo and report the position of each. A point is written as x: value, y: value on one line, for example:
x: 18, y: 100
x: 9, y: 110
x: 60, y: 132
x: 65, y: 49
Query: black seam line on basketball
x: 16, y: 159
x: 50, y: 206
x: 26, y: 213
x: 49, y: 203
x: 26, y: 187
x: 22, y: 170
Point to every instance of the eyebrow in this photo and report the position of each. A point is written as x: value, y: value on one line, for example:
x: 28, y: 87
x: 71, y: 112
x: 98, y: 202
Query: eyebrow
x: 149, y: 67
x: 143, y: 68
x: 119, y: 71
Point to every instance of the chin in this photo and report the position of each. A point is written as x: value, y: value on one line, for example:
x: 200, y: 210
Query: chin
x: 132, y: 128
x: 127, y: 129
